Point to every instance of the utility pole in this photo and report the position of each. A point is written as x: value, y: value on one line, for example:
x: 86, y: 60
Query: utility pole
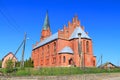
x: 23, y: 51
x: 101, y: 59
x: 80, y: 50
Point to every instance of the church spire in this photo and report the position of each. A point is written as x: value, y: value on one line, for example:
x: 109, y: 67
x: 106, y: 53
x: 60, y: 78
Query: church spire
x: 46, y: 28
x: 46, y: 24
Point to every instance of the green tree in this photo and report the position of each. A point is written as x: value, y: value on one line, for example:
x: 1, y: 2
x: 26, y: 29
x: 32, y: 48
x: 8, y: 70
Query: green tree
x: 18, y: 64
x: 9, y: 66
x: 28, y: 63
x: 0, y: 63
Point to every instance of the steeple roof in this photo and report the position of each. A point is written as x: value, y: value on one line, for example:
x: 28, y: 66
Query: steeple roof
x: 46, y: 22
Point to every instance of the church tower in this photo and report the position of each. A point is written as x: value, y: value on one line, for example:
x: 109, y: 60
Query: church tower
x: 46, y: 28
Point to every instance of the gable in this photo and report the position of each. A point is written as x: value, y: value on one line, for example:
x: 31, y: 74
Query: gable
x: 9, y: 55
x: 79, y: 30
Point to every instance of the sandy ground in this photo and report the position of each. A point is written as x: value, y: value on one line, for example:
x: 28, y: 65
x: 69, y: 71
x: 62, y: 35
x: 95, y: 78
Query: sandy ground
x: 101, y: 76
x: 115, y: 78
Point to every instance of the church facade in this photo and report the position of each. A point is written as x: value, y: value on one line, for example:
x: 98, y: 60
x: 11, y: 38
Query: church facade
x: 70, y: 46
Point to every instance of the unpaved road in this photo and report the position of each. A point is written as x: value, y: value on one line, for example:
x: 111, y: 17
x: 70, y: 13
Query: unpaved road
x: 101, y: 76
x: 115, y: 78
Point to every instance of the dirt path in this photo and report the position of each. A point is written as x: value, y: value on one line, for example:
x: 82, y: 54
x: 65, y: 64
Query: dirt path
x: 115, y: 78
x: 101, y: 76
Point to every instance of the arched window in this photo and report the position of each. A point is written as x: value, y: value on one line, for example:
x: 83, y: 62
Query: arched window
x: 87, y: 47
x: 54, y: 47
x: 64, y: 59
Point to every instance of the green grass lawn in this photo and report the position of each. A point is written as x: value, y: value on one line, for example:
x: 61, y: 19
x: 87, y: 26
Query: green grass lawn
x: 57, y: 71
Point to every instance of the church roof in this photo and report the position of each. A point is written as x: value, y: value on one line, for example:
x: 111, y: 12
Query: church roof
x: 49, y: 39
x: 46, y: 22
x: 55, y: 36
x: 79, y: 30
x: 66, y: 49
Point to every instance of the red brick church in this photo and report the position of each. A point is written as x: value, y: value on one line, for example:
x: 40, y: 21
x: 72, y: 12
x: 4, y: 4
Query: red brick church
x: 70, y: 46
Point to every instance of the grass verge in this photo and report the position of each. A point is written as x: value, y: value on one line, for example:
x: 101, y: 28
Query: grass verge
x: 58, y: 71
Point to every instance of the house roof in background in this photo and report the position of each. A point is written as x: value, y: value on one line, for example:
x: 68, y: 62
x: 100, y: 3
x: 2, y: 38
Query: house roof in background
x: 7, y: 55
x: 106, y: 64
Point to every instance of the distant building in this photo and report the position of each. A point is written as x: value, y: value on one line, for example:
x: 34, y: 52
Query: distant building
x: 10, y: 55
x: 64, y: 48
x: 107, y: 65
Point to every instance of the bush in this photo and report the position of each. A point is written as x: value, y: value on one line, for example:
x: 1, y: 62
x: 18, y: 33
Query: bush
x: 9, y: 66
x: 0, y: 63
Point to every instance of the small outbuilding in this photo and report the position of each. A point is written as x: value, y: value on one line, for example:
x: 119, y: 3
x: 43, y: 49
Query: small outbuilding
x: 107, y: 65
x: 10, y: 55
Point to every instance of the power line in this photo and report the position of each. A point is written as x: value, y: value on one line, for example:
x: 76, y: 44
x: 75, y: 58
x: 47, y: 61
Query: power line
x: 18, y: 49
x: 29, y: 37
x: 100, y: 60
x: 12, y: 26
x: 10, y: 19
x: 9, y: 22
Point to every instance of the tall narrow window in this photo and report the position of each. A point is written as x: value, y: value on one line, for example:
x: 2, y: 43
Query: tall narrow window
x: 47, y: 61
x: 59, y: 59
x: 42, y: 50
x: 39, y: 57
x: 54, y: 60
x: 87, y: 47
x: 54, y: 47
x: 64, y: 59
x: 93, y: 62
x: 81, y: 45
x: 48, y: 49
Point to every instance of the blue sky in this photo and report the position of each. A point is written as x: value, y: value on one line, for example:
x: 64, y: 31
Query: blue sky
x: 101, y: 19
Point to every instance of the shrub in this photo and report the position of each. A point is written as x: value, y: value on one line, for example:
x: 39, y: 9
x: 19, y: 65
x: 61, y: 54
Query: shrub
x: 9, y: 66
x: 0, y: 63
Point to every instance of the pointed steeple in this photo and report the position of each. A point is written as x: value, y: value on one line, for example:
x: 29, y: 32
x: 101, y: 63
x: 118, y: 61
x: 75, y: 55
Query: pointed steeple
x: 46, y: 22
x: 46, y: 28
